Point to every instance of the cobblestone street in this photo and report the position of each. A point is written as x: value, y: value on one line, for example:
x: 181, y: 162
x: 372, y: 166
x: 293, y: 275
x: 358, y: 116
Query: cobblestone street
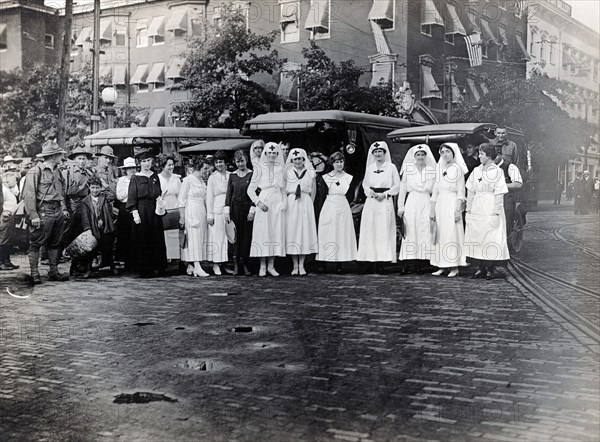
x: 317, y: 358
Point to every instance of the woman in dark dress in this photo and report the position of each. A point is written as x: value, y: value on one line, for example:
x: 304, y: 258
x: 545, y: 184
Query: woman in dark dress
x: 240, y: 209
x: 148, y: 254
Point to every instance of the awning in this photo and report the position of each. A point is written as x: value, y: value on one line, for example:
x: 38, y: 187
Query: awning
x: 503, y: 39
x: 429, y: 87
x: 177, y: 21
x: 106, y: 74
x: 157, y: 73
x: 84, y: 35
x: 473, y: 89
x: 453, y: 24
x: 287, y: 86
x: 139, y: 76
x: 215, y: 146
x: 157, y: 118
x: 430, y: 15
x: 174, y: 70
x: 456, y: 94
x: 488, y: 35
x: 472, y: 25
x: 157, y: 27
x: 3, y: 36
x: 119, y: 75
x: 289, y: 11
x: 141, y: 24
x: 522, y: 46
x: 380, y: 41
x: 318, y: 16
x: 382, y: 71
x: 105, y: 31
x: 382, y: 12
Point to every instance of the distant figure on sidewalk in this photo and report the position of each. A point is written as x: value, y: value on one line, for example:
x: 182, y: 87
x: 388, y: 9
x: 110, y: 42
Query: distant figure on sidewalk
x: 569, y: 193
x: 588, y: 190
x: 597, y: 195
x: 558, y: 191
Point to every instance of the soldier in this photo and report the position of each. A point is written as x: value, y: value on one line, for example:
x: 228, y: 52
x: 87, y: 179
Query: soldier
x: 46, y: 207
x: 106, y: 172
x: 504, y: 147
x: 7, y: 209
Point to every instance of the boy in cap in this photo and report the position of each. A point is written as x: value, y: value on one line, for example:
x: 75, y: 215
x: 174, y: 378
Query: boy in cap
x: 106, y: 173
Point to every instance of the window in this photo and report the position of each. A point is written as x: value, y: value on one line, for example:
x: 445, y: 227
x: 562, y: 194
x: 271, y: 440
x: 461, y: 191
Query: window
x: 449, y: 38
x: 289, y: 13
x: 426, y: 30
x: 484, y: 50
x: 49, y: 41
x: 318, y: 21
x: 157, y: 77
x: 120, y: 37
x: 532, y: 38
x: 141, y: 34
x: 156, y: 31
x: 383, y: 12
x: 178, y: 23
x: 217, y: 17
x: 3, y: 37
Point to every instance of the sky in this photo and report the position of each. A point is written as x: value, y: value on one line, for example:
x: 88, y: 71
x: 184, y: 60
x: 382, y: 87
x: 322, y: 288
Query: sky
x: 585, y: 11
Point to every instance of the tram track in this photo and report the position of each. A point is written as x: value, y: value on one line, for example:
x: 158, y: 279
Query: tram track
x: 556, y: 234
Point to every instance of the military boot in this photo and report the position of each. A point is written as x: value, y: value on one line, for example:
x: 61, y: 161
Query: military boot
x: 53, y: 273
x: 34, y: 257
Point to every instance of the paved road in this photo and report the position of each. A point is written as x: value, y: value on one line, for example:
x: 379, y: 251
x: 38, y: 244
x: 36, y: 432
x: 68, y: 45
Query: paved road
x: 354, y: 358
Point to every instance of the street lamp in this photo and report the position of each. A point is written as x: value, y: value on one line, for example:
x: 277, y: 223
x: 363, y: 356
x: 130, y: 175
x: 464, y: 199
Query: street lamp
x: 110, y: 96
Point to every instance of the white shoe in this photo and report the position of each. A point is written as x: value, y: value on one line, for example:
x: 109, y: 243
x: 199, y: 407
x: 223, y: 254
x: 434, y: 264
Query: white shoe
x: 302, y: 272
x: 295, y: 271
x: 272, y: 271
x: 199, y: 271
x: 217, y: 270
x: 453, y: 273
x: 190, y: 269
x: 440, y: 272
x: 262, y: 271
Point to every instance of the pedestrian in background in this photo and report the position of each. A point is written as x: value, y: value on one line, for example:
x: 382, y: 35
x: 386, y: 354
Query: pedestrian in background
x: 447, y: 202
x: 123, y: 225
x: 579, y: 194
x: 569, y: 193
x: 596, y: 195
x: 96, y: 214
x: 240, y: 210
x: 8, y: 207
x: 170, y: 183
x: 485, y: 235
x: 192, y: 216
x: 417, y: 180
x: 149, y: 256
x: 44, y: 197
x: 216, y: 193
x: 268, y: 231
x: 377, y: 240
x: 301, y: 228
x: 588, y: 190
x: 558, y: 190
x: 336, y: 235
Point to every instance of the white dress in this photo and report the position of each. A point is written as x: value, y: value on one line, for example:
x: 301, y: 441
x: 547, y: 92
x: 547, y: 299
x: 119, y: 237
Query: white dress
x: 485, y: 235
x: 170, y: 191
x: 301, y: 226
x: 215, y: 202
x: 268, y: 230
x: 337, y: 238
x: 448, y: 194
x: 192, y: 196
x: 417, y: 241
x: 377, y: 241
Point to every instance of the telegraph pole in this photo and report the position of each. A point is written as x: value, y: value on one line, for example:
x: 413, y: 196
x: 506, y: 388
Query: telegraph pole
x: 63, y: 94
x: 95, y: 117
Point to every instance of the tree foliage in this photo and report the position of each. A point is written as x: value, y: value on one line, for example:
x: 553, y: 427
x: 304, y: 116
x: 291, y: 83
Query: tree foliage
x: 327, y: 85
x: 532, y: 105
x: 219, y: 72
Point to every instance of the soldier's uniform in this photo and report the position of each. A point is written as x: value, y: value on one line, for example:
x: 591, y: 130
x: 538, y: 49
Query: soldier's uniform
x: 507, y: 150
x: 107, y: 174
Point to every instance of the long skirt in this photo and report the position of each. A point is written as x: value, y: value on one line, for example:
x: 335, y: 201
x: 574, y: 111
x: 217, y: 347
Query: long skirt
x: 218, y: 247
x: 485, y: 235
x: 243, y: 227
x: 123, y: 225
x: 147, y: 239
x: 172, y: 244
x: 377, y: 241
x: 417, y: 241
x: 268, y: 231
x: 450, y: 245
x: 196, y: 231
x: 301, y: 228
x: 337, y: 239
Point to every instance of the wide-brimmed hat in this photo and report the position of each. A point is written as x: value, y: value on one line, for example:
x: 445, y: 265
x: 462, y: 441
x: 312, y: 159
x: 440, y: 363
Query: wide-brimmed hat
x: 144, y: 154
x: 80, y: 151
x: 128, y: 163
x: 10, y: 159
x: 106, y: 151
x: 50, y: 148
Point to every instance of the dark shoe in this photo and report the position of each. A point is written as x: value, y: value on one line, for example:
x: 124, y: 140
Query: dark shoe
x: 4, y: 266
x: 489, y: 275
x: 339, y: 269
x: 478, y: 274
x: 57, y: 276
x: 380, y: 269
x: 114, y: 271
x: 36, y: 279
x: 11, y: 265
x: 87, y: 274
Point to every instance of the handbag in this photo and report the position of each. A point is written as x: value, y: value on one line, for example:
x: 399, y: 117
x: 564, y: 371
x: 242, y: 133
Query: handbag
x: 171, y: 220
x: 182, y: 239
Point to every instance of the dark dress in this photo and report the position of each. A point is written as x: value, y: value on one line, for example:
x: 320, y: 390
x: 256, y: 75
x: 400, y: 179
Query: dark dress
x: 148, y: 250
x: 239, y: 206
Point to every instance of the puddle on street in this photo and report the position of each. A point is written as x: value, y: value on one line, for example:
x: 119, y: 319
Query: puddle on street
x: 142, y: 397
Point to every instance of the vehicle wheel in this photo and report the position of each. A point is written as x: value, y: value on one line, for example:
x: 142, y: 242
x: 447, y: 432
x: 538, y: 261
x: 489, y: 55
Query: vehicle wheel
x: 515, y: 241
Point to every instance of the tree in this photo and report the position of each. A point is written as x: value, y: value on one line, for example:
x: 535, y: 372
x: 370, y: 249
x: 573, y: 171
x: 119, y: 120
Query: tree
x: 534, y: 106
x: 63, y: 94
x: 326, y: 85
x: 219, y: 73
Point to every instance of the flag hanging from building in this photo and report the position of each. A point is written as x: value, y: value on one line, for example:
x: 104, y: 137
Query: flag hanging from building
x: 474, y: 48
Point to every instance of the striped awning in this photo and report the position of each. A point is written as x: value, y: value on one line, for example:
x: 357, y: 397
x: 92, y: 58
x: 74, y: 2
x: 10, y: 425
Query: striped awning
x: 380, y: 41
x: 521, y: 45
x: 429, y: 87
x: 289, y: 11
x: 457, y: 96
x: 84, y: 35
x: 453, y: 24
x: 318, y: 16
x: 106, y: 31
x: 119, y: 75
x: 106, y: 74
x: 503, y: 39
x: 488, y: 35
x: 157, y: 27
x: 3, y: 36
x: 287, y: 86
x: 430, y: 14
x: 382, y: 12
x: 139, y: 76
x: 157, y: 73
x: 174, y: 70
x: 157, y: 118
x: 178, y: 21
x: 473, y: 89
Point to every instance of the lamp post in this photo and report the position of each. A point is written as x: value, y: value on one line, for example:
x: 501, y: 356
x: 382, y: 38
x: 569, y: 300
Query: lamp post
x: 109, y: 96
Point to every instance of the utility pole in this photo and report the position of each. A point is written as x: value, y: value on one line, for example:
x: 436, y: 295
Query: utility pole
x: 65, y: 60
x: 95, y: 117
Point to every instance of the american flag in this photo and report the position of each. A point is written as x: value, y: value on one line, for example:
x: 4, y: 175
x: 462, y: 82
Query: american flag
x: 474, y: 48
